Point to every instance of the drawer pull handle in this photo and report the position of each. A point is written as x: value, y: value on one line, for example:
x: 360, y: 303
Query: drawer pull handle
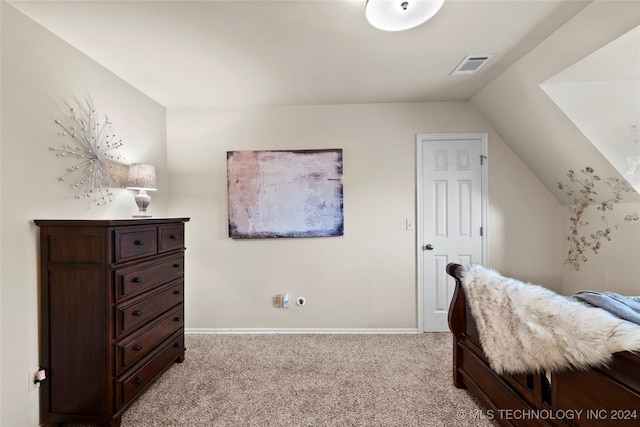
x: 138, y: 347
x: 137, y: 280
x: 177, y: 265
x: 176, y: 292
x: 138, y: 243
x: 137, y: 380
x: 176, y: 319
x: 176, y: 345
x: 137, y: 313
x: 174, y: 237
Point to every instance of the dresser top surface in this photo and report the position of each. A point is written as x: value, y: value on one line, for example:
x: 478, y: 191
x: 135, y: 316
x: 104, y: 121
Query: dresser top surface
x: 107, y: 222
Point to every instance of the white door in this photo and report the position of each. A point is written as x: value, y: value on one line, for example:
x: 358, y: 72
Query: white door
x: 451, y: 216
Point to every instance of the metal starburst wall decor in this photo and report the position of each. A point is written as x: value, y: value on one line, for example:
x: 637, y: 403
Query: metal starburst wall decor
x: 95, y: 147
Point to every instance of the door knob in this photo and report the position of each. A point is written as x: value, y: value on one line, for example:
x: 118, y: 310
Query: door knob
x: 428, y: 247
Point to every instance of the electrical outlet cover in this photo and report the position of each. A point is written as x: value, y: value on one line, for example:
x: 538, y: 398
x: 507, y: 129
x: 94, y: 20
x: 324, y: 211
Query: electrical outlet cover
x: 277, y: 301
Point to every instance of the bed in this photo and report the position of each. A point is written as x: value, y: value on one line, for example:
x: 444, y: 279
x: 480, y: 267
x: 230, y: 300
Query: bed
x: 593, y: 396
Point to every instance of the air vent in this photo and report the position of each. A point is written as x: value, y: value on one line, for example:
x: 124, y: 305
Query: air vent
x: 471, y: 64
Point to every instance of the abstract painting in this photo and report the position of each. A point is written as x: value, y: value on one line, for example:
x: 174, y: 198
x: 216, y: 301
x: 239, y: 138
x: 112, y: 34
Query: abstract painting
x: 281, y: 193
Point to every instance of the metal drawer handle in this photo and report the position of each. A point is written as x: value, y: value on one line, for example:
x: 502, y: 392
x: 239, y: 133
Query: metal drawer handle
x: 138, y: 347
x: 137, y: 313
x: 177, y: 265
x: 138, y: 243
x: 137, y: 380
x: 176, y: 345
x: 176, y: 292
x: 176, y: 319
x: 137, y: 280
x: 174, y: 237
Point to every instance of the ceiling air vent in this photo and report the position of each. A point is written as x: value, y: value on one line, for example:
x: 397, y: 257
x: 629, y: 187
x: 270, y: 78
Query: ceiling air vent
x: 471, y: 64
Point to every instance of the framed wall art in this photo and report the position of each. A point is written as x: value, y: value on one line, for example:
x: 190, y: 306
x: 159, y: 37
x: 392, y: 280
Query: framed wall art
x: 280, y: 193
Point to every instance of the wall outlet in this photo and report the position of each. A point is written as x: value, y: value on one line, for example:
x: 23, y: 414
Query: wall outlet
x: 281, y: 301
x: 277, y: 301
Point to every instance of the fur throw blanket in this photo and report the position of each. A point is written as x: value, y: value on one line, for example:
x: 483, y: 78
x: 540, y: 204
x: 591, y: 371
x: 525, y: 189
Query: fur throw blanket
x: 527, y: 328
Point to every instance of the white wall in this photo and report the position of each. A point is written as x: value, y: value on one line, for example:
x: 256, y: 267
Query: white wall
x: 616, y: 266
x: 367, y: 278
x: 525, y: 221
x: 39, y: 73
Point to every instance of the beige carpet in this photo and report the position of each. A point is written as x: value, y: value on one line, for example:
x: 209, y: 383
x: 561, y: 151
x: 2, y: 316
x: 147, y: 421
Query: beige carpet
x: 308, y: 380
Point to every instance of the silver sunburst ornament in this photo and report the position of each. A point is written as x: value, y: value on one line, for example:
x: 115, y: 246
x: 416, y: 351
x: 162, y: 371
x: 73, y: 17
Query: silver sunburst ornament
x: 95, y: 146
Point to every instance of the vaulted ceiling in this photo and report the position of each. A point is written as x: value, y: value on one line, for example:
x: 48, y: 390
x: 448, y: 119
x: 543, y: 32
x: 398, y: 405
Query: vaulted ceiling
x: 237, y: 53
x: 601, y: 95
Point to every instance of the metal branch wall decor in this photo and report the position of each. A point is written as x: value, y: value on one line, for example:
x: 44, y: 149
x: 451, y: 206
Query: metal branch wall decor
x: 581, y: 240
x: 99, y: 166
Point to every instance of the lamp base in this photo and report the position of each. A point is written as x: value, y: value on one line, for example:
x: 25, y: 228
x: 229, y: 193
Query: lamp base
x: 142, y: 200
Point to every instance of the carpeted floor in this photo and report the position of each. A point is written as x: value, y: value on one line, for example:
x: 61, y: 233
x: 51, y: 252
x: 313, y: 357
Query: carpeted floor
x: 308, y: 380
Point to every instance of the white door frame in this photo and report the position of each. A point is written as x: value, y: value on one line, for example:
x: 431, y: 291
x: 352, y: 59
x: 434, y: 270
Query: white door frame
x: 483, y: 137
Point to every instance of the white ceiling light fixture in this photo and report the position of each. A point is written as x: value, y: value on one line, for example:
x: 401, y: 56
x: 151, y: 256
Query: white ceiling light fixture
x: 399, y: 15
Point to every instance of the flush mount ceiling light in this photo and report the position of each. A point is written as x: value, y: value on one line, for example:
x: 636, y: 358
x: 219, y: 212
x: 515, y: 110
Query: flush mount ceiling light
x: 398, y: 15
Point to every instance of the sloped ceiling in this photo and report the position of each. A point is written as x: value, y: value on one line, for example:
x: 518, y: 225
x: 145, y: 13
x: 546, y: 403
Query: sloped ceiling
x: 536, y: 128
x: 192, y: 54
x: 203, y: 54
x: 601, y: 95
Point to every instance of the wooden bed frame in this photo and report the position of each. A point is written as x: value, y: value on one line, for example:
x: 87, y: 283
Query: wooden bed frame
x: 595, y: 397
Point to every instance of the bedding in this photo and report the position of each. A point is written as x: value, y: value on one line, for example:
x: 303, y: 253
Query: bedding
x: 595, y: 396
x: 627, y: 308
x: 528, y: 328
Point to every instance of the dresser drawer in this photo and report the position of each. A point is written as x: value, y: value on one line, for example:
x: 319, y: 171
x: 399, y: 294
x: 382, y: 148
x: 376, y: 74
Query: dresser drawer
x: 136, y: 347
x: 170, y: 238
x: 131, y: 243
x: 130, y: 385
x: 142, y: 310
x: 133, y: 280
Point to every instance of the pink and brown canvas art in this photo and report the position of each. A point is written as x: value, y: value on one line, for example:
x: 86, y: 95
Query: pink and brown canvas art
x: 281, y: 193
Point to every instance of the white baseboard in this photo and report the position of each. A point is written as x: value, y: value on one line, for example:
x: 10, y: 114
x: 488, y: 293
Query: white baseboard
x: 301, y: 331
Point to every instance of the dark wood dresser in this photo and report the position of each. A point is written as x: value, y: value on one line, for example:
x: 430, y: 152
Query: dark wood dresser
x: 111, y: 313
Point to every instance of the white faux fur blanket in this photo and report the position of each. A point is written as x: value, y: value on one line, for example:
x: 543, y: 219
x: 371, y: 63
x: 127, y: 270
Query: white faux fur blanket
x: 526, y: 328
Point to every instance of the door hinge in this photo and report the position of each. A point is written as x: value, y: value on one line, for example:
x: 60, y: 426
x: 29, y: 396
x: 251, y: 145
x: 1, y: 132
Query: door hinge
x: 482, y: 159
x: 481, y: 231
